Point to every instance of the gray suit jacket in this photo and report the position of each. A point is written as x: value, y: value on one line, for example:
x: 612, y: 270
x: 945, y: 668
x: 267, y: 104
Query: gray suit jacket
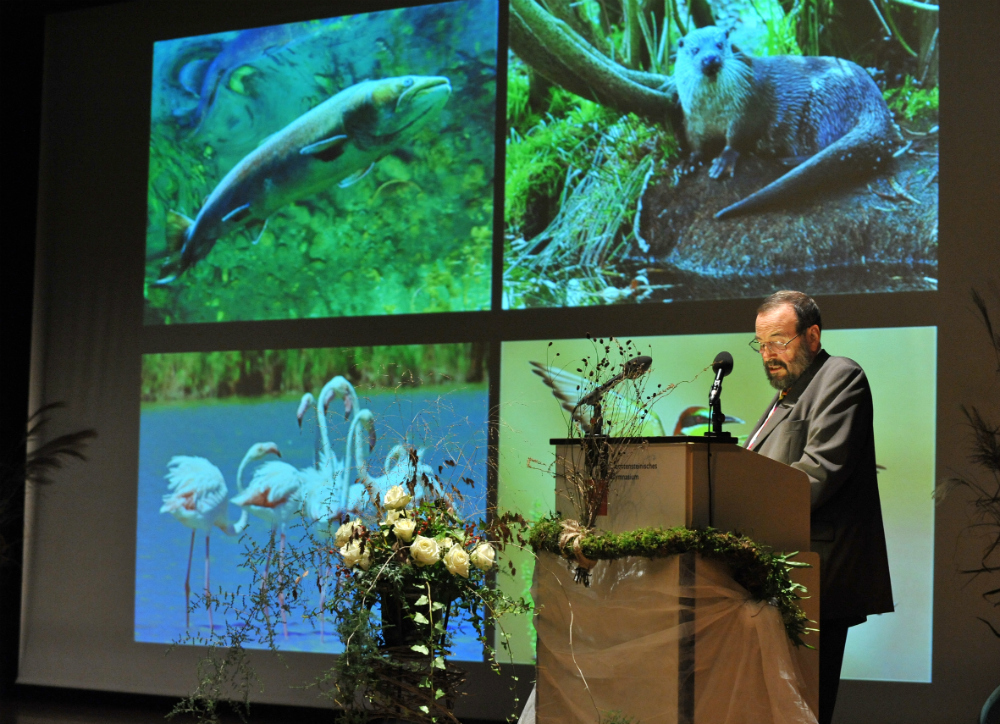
x: 824, y: 427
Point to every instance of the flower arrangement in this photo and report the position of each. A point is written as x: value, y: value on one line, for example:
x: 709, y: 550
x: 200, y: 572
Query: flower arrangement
x: 399, y: 571
x: 420, y: 566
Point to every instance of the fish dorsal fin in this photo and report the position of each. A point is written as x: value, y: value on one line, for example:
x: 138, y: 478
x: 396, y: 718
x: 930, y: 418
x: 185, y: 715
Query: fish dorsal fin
x: 326, y: 145
x: 355, y: 177
x: 177, y: 227
x: 237, y: 214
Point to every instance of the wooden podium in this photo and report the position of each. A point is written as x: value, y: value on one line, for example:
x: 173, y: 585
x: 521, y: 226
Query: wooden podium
x: 668, y: 482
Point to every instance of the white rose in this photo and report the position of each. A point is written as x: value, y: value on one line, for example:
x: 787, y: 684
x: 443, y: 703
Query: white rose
x: 354, y: 557
x: 446, y: 543
x: 397, y: 497
x: 391, y: 515
x: 345, y: 532
x: 425, y: 551
x: 456, y: 560
x: 404, y: 528
x: 483, y: 556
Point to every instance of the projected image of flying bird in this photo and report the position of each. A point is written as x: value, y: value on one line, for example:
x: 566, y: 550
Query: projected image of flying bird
x: 618, y: 405
x: 198, y: 499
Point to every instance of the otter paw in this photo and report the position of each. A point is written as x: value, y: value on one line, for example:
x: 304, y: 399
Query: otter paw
x: 693, y: 163
x: 724, y: 163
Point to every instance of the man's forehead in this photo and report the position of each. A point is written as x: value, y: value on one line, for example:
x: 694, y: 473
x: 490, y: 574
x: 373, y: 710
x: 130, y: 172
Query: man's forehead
x: 777, y: 322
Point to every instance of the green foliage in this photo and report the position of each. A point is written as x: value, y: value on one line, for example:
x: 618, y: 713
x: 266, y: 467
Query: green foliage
x: 763, y: 573
x: 983, y: 485
x: 540, y: 150
x: 588, y: 170
x: 205, y: 375
x: 779, y: 37
x: 913, y: 102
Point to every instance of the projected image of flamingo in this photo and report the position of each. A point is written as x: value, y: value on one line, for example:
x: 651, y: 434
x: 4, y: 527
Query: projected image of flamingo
x: 198, y: 499
x: 399, y: 469
x: 272, y: 496
x: 324, y: 497
x: 326, y: 461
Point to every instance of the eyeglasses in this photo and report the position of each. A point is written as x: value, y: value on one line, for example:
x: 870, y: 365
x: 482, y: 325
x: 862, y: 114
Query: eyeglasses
x: 772, y: 347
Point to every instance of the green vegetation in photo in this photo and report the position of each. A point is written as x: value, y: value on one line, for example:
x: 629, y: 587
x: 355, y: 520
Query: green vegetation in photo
x: 912, y: 102
x: 197, y: 375
x: 574, y: 176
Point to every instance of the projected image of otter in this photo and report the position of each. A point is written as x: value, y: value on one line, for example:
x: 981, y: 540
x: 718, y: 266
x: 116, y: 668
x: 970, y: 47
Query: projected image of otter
x: 720, y: 156
x: 824, y: 114
x: 324, y: 168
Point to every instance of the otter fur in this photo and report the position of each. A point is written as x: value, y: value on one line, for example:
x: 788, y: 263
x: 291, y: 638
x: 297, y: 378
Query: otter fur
x: 825, y: 116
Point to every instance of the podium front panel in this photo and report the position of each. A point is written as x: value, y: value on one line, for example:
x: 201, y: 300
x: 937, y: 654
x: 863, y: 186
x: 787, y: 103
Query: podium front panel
x: 668, y: 484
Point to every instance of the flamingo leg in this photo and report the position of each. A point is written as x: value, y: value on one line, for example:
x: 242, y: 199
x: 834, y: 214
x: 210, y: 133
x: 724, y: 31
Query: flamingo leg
x: 322, y: 603
x: 281, y: 588
x: 208, y: 594
x: 187, y: 586
x: 263, y: 584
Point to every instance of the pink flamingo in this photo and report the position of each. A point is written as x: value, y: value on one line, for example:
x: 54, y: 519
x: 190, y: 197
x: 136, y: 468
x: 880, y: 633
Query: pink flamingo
x: 273, y: 496
x: 324, y: 496
x: 198, y: 500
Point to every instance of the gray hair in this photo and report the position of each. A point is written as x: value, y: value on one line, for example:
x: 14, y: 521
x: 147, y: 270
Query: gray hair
x: 806, y: 309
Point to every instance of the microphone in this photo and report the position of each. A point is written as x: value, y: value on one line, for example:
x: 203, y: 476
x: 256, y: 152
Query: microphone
x: 634, y: 368
x: 722, y: 366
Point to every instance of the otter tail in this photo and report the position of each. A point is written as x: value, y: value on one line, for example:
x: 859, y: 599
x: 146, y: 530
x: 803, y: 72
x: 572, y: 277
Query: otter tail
x: 861, y: 152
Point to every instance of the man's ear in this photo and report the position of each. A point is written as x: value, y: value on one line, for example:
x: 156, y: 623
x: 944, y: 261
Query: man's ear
x: 813, y: 338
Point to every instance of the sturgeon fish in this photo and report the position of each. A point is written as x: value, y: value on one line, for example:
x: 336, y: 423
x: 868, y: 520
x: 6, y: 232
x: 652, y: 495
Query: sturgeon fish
x: 337, y: 142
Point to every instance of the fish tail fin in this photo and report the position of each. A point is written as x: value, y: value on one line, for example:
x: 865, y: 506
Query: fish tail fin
x: 178, y: 226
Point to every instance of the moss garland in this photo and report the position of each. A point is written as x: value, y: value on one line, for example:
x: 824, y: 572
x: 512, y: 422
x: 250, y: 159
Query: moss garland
x: 759, y: 570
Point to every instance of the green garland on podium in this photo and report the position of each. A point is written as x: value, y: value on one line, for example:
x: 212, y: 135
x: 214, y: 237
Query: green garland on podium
x: 758, y: 569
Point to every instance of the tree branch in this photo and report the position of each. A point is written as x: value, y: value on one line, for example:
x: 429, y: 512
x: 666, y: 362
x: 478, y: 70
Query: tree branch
x: 559, y: 53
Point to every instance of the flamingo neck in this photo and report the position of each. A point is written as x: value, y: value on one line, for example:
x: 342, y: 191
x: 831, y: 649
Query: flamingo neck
x: 239, y: 471
x: 324, y: 435
x: 346, y: 487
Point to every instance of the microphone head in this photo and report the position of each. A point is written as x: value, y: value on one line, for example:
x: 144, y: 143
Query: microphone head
x: 724, y: 362
x: 638, y: 366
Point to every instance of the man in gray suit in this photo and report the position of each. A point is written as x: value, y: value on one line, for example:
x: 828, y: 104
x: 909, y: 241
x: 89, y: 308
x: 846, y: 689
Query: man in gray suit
x: 820, y: 422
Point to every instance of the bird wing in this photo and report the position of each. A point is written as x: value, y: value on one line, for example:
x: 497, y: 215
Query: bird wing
x: 274, y: 483
x: 197, y: 487
x: 568, y: 389
x: 619, y: 407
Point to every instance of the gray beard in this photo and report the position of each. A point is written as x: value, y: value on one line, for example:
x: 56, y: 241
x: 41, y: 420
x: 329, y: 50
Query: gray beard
x: 802, y: 359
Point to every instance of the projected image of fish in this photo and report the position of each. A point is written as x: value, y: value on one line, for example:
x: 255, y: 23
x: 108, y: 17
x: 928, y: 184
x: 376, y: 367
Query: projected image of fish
x: 324, y: 168
x: 339, y: 141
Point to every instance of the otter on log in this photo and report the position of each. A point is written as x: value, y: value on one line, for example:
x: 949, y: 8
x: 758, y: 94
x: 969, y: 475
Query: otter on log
x: 824, y: 114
